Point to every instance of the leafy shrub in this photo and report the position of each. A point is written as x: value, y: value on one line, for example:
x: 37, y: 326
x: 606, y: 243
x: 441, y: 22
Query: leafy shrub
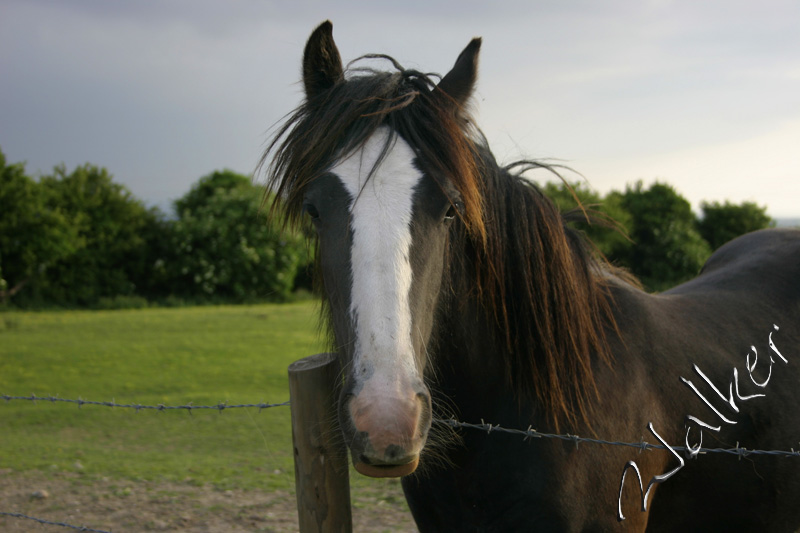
x: 223, y: 248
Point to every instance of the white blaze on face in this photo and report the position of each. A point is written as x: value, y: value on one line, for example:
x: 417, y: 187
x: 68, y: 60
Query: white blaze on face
x: 381, y: 268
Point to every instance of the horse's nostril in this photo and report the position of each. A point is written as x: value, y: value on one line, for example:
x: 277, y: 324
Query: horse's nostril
x: 394, y: 452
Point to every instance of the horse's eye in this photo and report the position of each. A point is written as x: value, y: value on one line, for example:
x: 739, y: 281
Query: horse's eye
x: 452, y: 211
x: 311, y: 210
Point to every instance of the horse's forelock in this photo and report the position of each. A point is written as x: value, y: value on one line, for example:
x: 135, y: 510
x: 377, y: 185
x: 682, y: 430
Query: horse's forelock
x: 339, y: 121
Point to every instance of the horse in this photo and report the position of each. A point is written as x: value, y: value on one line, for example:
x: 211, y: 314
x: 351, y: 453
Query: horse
x: 452, y: 287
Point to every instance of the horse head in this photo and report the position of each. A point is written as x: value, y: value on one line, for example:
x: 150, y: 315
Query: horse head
x: 382, y: 213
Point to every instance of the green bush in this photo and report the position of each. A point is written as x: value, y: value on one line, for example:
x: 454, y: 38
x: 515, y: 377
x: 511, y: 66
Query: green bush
x: 721, y: 223
x: 667, y: 249
x: 222, y: 248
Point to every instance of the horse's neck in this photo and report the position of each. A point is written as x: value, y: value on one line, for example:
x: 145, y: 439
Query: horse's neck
x: 470, y: 370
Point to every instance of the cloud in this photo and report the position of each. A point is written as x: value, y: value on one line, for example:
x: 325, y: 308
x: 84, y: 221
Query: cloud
x: 764, y: 168
x: 162, y: 93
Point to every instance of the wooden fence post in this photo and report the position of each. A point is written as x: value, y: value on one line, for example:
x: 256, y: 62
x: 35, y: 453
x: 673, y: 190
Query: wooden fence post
x: 321, y: 468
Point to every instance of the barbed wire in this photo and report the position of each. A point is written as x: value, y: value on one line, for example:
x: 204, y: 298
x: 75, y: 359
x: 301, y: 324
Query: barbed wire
x: 51, y: 523
x: 527, y: 434
x: 642, y: 445
x: 139, y: 407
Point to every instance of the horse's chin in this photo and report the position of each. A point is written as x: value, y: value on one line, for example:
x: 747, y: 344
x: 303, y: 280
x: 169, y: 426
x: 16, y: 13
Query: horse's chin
x: 387, y: 470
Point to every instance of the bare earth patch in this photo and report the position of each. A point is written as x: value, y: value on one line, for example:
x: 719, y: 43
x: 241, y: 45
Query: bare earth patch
x: 128, y: 506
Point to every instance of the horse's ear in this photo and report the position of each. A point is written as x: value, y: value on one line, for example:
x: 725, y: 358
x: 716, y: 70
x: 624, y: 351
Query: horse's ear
x: 460, y: 81
x: 322, y: 64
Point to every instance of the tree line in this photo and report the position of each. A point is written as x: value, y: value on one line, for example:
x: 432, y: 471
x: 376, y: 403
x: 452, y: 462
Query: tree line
x: 78, y: 239
x: 652, y: 231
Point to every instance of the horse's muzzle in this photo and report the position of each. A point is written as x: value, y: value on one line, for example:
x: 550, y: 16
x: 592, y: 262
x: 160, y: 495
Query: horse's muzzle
x: 388, y: 432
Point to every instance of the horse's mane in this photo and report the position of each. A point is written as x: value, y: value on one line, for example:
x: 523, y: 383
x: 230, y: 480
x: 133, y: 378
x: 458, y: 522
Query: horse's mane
x: 533, y: 275
x: 546, y: 291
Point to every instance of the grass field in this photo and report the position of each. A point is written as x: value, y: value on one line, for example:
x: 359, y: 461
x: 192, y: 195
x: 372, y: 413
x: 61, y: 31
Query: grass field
x: 203, y: 355
x: 112, y: 467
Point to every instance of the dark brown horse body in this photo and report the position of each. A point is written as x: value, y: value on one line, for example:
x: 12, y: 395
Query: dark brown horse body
x: 499, y: 482
x: 452, y: 287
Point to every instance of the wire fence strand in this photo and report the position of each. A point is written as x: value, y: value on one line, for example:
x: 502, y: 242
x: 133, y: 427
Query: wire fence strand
x: 642, y: 445
x: 51, y: 523
x: 139, y: 407
x: 529, y: 433
x: 526, y: 434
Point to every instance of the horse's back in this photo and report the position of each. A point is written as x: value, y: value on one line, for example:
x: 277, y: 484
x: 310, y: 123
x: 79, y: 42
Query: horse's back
x: 742, y: 312
x: 766, y: 260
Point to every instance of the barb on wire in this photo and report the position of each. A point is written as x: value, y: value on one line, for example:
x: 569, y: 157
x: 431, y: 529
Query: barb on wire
x: 50, y: 523
x: 641, y: 445
x: 138, y: 407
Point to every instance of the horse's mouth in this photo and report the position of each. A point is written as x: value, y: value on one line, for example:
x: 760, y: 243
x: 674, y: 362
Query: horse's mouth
x: 386, y: 470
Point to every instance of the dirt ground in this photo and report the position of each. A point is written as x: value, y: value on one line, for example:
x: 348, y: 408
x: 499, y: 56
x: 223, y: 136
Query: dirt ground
x: 128, y: 506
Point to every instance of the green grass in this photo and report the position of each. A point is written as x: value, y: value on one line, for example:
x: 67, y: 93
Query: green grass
x: 203, y: 355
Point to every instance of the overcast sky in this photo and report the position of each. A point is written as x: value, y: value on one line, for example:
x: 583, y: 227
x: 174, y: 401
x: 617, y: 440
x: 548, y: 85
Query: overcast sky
x: 702, y: 95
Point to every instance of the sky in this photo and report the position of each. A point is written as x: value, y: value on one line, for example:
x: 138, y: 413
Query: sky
x: 704, y: 96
